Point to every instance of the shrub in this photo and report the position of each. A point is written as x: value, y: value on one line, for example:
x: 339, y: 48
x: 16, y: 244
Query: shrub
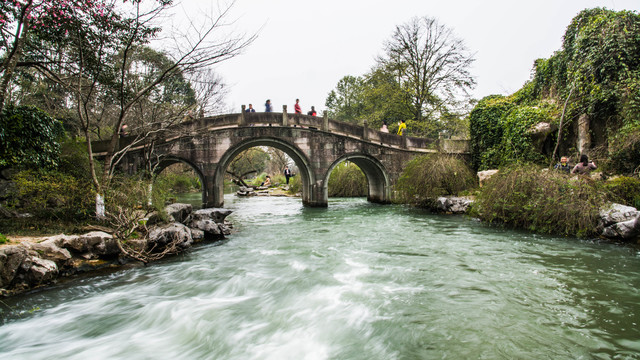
x: 295, y: 185
x: 347, y: 180
x: 625, y: 190
x: 74, y: 159
x: 429, y: 176
x: 543, y: 201
x: 3, y: 239
x: 52, y: 194
x: 626, y: 160
x: 29, y: 138
x: 181, y: 183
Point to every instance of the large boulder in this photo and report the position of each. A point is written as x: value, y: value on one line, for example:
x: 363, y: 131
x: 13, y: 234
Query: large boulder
x: 625, y: 230
x: 245, y: 191
x: 212, y: 222
x: 162, y: 236
x: 39, y: 271
x: 616, y: 213
x: 210, y: 228
x: 485, y: 175
x: 11, y: 257
x: 91, y: 245
x: 453, y: 205
x: 49, y: 250
x: 216, y: 214
x: 539, y: 133
x: 178, y: 212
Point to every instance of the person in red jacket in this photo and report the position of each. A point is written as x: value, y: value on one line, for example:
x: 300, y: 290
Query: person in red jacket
x: 297, y: 107
x: 312, y: 112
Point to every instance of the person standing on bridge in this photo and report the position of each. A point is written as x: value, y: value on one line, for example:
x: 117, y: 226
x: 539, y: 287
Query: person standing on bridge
x: 267, y: 106
x: 402, y: 127
x: 250, y: 108
x: 297, y: 107
x: 312, y: 112
x: 384, y: 127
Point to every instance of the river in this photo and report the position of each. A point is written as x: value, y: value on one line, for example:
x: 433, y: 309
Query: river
x: 353, y: 281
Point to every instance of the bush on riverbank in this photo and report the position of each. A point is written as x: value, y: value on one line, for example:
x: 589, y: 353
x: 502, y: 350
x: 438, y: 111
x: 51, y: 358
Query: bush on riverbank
x: 295, y: 185
x: 528, y: 197
x: 51, y: 195
x: 427, y: 177
x: 625, y: 190
x: 347, y: 180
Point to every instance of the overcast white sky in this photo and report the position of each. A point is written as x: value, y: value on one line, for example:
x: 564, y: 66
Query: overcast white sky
x: 305, y: 47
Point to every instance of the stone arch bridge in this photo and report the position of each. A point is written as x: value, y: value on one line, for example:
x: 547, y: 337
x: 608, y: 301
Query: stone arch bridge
x: 316, y: 145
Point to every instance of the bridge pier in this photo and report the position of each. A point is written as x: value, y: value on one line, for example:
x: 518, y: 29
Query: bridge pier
x: 315, y: 196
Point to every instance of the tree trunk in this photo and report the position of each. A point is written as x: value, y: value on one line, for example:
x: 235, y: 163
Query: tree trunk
x: 584, y: 136
x: 12, y: 62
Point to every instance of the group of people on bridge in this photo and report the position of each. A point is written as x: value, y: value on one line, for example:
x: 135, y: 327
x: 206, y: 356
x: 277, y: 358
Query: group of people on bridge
x: 268, y: 107
x: 402, y: 127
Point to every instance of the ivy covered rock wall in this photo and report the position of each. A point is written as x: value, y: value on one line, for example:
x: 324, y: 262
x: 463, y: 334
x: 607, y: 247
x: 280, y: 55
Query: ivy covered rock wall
x: 593, y: 78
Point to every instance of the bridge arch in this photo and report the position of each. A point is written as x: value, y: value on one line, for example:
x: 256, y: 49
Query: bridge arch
x: 168, y: 160
x: 301, y: 160
x: 379, y: 183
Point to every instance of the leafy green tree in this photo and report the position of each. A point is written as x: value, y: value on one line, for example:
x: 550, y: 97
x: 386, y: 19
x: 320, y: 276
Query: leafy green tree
x: 345, y: 103
x: 29, y: 137
x: 25, y: 24
x: 384, y: 99
x: 422, y: 79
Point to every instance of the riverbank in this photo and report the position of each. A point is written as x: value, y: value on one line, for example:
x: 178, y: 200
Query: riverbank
x: 30, y: 262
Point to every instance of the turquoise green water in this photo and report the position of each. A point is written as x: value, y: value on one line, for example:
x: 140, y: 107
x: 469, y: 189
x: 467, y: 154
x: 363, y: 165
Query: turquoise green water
x: 354, y: 281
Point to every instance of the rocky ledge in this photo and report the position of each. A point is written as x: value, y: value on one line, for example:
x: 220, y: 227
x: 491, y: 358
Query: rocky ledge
x: 32, y: 264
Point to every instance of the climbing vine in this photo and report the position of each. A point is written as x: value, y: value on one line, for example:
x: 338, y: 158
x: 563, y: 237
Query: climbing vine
x: 596, y: 74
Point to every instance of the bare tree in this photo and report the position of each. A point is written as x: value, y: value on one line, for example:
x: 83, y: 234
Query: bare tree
x: 110, y: 86
x: 251, y: 161
x: 278, y: 159
x: 430, y: 63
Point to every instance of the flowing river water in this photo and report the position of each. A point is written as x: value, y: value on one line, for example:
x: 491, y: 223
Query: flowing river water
x: 353, y: 281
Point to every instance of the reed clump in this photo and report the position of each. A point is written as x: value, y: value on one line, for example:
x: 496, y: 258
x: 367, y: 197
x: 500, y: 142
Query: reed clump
x: 427, y: 177
x: 529, y: 197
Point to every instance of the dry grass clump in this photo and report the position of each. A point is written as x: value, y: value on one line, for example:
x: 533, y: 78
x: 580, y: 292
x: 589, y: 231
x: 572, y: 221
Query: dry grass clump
x: 527, y: 197
x: 427, y: 177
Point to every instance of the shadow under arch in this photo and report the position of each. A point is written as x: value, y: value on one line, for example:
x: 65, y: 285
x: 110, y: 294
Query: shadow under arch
x: 300, y: 159
x: 166, y: 161
x: 376, y: 174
